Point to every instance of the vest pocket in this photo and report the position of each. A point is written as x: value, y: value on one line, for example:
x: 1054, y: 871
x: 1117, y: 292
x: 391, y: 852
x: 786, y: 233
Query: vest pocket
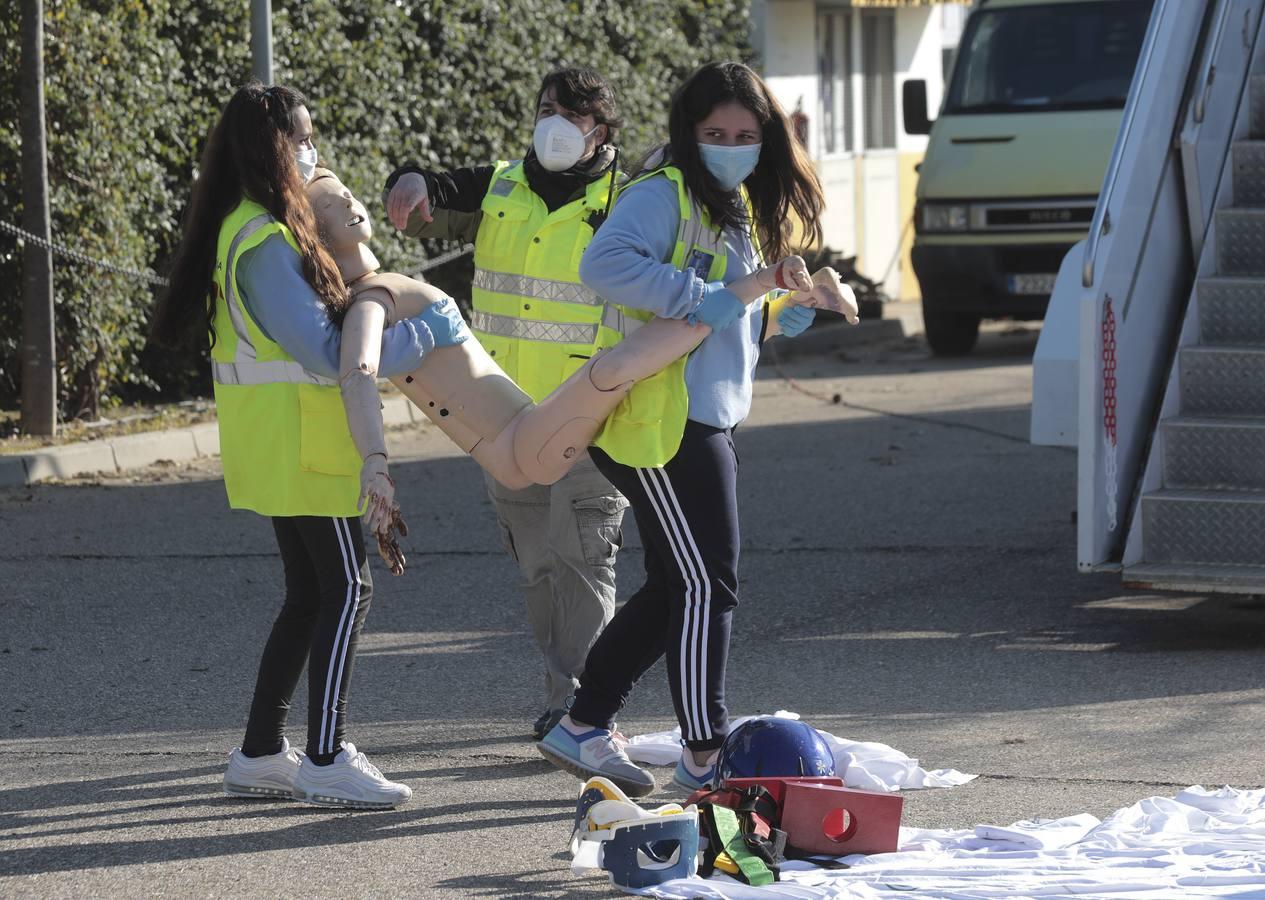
x: 325, y: 443
x: 505, y: 209
x: 570, y: 365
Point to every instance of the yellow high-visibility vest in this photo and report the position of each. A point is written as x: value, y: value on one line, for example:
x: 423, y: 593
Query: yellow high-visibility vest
x: 284, y: 440
x: 529, y: 308
x: 645, y: 429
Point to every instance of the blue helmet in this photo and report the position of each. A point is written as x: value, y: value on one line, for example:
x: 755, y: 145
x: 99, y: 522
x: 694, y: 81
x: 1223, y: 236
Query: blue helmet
x: 770, y: 747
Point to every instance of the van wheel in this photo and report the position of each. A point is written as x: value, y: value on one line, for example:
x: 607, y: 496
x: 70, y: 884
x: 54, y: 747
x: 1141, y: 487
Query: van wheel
x: 950, y: 333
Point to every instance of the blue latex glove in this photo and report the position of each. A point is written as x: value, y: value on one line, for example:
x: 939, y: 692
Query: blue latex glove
x: 718, y: 309
x: 445, y: 323
x: 793, y: 320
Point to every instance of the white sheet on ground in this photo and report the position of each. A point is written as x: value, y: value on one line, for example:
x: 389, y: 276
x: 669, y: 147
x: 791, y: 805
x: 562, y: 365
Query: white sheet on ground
x: 861, y: 764
x: 1200, y: 843
x: 1036, y: 834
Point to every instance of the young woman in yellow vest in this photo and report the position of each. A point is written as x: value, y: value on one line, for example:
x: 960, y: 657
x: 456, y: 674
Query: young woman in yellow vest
x: 688, y: 239
x: 251, y: 268
x: 530, y: 221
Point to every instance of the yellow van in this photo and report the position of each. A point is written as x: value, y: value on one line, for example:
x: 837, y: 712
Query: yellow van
x: 1017, y: 156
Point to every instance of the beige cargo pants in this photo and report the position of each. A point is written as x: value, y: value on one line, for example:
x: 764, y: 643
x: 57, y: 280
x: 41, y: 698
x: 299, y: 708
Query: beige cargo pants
x: 564, y: 538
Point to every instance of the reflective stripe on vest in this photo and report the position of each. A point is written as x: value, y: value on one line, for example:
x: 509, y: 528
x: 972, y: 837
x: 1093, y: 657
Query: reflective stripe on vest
x: 277, y: 371
x: 535, y: 288
x: 551, y: 332
x: 245, y: 349
x: 531, y: 311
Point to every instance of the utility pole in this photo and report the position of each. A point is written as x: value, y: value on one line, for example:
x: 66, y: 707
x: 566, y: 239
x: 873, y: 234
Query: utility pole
x: 39, y: 350
x: 261, y: 40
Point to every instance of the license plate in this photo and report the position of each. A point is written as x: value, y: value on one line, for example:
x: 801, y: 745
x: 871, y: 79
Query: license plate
x: 1030, y: 284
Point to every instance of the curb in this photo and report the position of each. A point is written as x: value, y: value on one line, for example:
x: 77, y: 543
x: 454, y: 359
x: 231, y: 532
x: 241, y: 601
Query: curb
x: 112, y: 456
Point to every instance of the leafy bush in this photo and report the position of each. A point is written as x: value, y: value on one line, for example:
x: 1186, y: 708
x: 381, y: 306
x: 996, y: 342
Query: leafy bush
x: 134, y: 87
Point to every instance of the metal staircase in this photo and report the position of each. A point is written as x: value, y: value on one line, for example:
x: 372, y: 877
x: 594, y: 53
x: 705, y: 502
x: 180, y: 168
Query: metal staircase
x: 1200, y: 522
x: 1152, y: 358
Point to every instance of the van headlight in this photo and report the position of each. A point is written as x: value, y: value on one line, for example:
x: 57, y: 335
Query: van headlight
x: 944, y: 217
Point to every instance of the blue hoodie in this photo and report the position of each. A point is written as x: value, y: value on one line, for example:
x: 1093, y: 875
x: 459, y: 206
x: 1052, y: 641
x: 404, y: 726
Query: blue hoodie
x: 627, y: 263
x: 288, y: 311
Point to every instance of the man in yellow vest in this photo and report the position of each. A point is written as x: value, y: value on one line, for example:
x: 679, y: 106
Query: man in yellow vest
x: 530, y: 221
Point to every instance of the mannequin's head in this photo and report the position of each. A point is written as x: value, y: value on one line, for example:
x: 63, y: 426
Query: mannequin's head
x: 341, y: 220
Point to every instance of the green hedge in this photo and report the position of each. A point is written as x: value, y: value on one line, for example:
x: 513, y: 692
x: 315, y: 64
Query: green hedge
x: 134, y: 87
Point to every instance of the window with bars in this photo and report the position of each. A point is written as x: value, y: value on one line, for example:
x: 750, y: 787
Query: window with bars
x: 878, y: 61
x: 834, y: 71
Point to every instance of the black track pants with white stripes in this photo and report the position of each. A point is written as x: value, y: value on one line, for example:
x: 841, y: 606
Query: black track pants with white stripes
x: 687, y: 514
x: 328, y: 591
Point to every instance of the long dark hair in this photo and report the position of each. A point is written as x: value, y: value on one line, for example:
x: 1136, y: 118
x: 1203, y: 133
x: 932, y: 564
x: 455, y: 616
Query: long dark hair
x: 249, y: 154
x: 783, y: 181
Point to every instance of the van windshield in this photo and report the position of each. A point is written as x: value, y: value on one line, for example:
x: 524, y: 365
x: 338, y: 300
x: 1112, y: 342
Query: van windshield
x: 1060, y: 57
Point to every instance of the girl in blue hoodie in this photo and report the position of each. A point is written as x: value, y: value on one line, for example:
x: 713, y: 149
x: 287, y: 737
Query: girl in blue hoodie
x: 706, y: 212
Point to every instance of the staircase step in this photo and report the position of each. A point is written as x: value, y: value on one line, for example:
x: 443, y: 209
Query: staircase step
x: 1210, y: 527
x: 1241, y: 241
x: 1214, y: 454
x: 1195, y: 577
x: 1222, y: 381
x: 1249, y: 173
x: 1232, y: 310
x: 1256, y: 108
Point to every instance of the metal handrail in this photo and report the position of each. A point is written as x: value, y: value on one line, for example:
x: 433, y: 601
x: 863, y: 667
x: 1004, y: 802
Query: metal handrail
x: 1102, y: 221
x: 1209, y: 72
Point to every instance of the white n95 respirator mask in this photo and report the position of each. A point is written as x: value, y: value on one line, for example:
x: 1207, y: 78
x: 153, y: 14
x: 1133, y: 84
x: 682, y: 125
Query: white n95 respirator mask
x: 559, y: 144
x: 306, y: 161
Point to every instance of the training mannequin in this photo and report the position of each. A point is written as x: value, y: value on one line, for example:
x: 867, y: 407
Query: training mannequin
x: 463, y: 391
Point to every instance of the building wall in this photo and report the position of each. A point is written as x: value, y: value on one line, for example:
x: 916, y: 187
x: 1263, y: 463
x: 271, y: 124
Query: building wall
x: 869, y: 192
x: 919, y: 54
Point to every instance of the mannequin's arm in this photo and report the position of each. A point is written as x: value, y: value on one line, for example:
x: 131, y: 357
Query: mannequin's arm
x: 358, y: 370
x: 789, y: 274
x: 828, y: 292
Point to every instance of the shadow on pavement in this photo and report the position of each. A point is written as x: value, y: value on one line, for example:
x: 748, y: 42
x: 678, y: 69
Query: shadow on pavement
x: 289, y: 825
x: 520, y: 885
x: 999, y: 345
x: 930, y: 554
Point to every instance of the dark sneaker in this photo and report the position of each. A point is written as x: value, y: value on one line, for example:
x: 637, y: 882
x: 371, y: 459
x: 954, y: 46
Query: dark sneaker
x: 547, y: 720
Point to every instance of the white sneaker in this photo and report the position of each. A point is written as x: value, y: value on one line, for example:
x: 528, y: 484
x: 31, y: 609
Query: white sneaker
x: 262, y: 776
x: 350, y: 781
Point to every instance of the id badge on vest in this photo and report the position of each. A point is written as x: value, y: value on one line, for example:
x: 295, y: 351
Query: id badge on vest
x: 700, y: 261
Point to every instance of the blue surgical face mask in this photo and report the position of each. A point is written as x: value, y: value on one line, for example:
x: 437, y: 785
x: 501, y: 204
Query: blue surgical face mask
x: 730, y: 166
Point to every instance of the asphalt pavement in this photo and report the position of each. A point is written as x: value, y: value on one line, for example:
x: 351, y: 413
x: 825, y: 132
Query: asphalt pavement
x: 908, y: 576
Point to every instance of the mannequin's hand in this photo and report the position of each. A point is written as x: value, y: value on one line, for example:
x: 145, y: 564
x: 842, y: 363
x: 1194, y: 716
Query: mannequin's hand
x: 377, y: 493
x: 408, y: 194
x: 829, y: 292
x: 789, y: 274
x: 389, y: 541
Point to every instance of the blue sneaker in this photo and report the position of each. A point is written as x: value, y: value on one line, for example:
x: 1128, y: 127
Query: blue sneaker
x: 684, y: 778
x: 595, y: 752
